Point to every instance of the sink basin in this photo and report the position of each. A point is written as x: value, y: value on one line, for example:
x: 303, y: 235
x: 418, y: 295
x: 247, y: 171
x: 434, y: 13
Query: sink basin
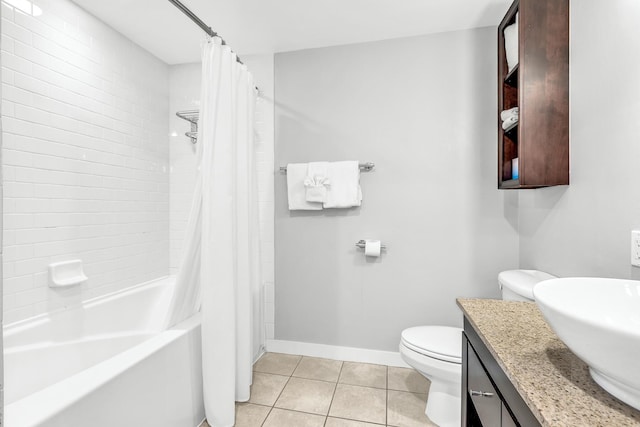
x: 599, y: 320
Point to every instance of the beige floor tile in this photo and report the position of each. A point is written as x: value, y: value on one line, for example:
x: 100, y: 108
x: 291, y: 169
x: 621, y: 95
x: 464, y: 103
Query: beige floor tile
x: 364, y: 374
x: 250, y: 415
x: 318, y: 369
x: 406, y: 379
x: 305, y: 395
x: 340, y: 422
x: 284, y: 418
x: 406, y: 409
x: 359, y: 403
x: 277, y: 363
x: 266, y: 388
x: 204, y: 424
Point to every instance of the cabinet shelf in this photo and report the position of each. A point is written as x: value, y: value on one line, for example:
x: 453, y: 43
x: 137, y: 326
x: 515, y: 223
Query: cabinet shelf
x: 512, y: 78
x: 512, y: 131
x: 539, y: 86
x: 511, y: 183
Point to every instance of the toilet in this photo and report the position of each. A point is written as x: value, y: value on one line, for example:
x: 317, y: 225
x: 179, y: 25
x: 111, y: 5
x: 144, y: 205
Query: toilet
x: 436, y: 351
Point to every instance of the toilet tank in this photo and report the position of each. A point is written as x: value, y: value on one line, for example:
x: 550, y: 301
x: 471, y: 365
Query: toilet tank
x: 517, y: 285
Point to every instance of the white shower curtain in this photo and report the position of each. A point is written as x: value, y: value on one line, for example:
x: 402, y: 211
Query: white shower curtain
x: 220, y: 264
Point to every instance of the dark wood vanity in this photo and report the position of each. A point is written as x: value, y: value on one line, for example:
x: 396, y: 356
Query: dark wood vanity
x: 489, y: 399
x: 517, y: 372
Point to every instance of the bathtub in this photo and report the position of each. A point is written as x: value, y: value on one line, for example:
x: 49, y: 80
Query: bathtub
x: 105, y: 363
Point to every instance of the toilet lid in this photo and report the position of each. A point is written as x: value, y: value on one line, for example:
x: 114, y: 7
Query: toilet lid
x: 439, y: 342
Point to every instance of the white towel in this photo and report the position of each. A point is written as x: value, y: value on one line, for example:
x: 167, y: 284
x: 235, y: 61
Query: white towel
x: 317, y: 182
x: 344, y: 191
x: 511, y: 44
x: 504, y: 115
x: 510, y: 121
x: 296, y: 173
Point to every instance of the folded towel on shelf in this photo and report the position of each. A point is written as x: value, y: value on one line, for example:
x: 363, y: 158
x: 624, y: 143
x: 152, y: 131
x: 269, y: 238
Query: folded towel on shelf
x: 511, y: 44
x: 345, y: 191
x: 509, y: 122
x: 296, y: 191
x: 317, y: 182
x: 504, y: 115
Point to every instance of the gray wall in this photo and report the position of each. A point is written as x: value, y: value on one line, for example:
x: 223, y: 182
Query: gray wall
x: 423, y: 109
x: 584, y: 229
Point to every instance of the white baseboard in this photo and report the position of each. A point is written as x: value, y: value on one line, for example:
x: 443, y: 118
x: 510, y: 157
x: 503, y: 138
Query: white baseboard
x: 348, y: 354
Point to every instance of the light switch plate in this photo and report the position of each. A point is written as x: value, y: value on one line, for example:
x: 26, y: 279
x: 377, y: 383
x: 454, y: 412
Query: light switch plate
x: 635, y: 248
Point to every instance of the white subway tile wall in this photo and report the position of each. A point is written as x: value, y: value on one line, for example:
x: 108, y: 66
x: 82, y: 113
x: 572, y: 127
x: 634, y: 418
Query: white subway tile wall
x: 85, y: 157
x: 184, y: 94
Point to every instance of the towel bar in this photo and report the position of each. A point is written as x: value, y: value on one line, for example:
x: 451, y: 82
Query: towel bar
x: 366, y: 167
x: 362, y: 243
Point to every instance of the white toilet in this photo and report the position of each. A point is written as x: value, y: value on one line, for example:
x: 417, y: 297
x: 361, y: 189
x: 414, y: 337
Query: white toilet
x: 436, y: 351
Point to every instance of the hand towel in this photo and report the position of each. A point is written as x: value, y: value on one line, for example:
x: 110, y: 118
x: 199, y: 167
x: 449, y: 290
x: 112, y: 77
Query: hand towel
x: 510, y: 121
x: 296, y: 173
x: 317, y: 182
x: 344, y: 191
x: 504, y: 115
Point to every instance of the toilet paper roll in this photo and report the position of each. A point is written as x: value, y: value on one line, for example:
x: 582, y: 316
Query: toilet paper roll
x: 372, y: 248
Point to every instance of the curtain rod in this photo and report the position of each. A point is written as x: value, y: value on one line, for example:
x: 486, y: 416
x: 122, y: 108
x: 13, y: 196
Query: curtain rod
x: 199, y: 22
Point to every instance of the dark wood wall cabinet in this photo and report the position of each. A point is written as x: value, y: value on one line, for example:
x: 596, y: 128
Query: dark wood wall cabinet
x: 489, y: 399
x: 539, y: 87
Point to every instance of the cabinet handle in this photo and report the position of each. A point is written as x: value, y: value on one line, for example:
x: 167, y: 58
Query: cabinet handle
x: 480, y: 393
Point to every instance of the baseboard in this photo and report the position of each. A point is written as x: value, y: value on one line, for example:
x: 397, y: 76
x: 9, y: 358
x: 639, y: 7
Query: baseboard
x: 349, y: 354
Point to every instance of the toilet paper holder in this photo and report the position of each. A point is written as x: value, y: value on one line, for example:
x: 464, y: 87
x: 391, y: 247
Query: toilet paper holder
x: 362, y: 243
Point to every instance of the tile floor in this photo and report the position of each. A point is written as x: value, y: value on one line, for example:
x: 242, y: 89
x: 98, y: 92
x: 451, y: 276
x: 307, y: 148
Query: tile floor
x: 300, y: 391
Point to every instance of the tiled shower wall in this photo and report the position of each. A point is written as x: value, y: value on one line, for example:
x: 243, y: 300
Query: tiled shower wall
x: 185, y: 95
x: 85, y: 156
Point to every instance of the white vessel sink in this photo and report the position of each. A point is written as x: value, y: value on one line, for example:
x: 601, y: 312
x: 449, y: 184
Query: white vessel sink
x: 599, y: 320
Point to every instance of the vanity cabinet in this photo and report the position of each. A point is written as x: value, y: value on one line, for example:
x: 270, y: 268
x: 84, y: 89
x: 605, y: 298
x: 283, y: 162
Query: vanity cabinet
x: 483, y: 395
x: 489, y: 399
x: 539, y: 87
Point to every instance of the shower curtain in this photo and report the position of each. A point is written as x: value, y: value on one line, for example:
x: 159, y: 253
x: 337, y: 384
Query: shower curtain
x: 220, y: 263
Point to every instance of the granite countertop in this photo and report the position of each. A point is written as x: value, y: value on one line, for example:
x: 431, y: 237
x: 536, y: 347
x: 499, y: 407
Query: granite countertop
x: 553, y: 381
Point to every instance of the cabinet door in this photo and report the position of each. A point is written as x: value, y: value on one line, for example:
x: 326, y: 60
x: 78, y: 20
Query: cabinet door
x: 479, y: 387
x: 507, y: 420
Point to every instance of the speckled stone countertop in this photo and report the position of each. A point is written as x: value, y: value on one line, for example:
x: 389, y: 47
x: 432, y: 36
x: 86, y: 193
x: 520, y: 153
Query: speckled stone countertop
x: 553, y: 381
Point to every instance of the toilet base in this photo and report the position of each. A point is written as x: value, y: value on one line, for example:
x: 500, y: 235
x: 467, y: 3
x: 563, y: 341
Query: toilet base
x: 444, y: 399
x: 444, y: 404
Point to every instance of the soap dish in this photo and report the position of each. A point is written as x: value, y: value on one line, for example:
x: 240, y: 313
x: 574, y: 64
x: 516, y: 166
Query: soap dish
x: 66, y: 273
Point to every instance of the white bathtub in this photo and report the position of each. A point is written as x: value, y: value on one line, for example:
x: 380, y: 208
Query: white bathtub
x: 106, y: 363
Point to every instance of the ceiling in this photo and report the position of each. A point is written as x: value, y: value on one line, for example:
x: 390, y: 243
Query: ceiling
x: 266, y: 26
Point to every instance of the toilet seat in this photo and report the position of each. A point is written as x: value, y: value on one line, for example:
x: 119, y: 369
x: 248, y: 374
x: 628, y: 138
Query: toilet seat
x: 439, y: 342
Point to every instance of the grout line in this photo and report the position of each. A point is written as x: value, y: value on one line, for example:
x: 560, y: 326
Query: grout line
x: 303, y: 412
x: 311, y: 379
x: 335, y: 389
x: 359, y: 421
x: 274, y: 402
x: 265, y: 418
x: 285, y: 386
x: 386, y: 397
x: 297, y: 364
x: 326, y: 417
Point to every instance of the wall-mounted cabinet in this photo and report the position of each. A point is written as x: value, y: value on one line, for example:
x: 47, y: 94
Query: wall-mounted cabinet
x: 539, y: 86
